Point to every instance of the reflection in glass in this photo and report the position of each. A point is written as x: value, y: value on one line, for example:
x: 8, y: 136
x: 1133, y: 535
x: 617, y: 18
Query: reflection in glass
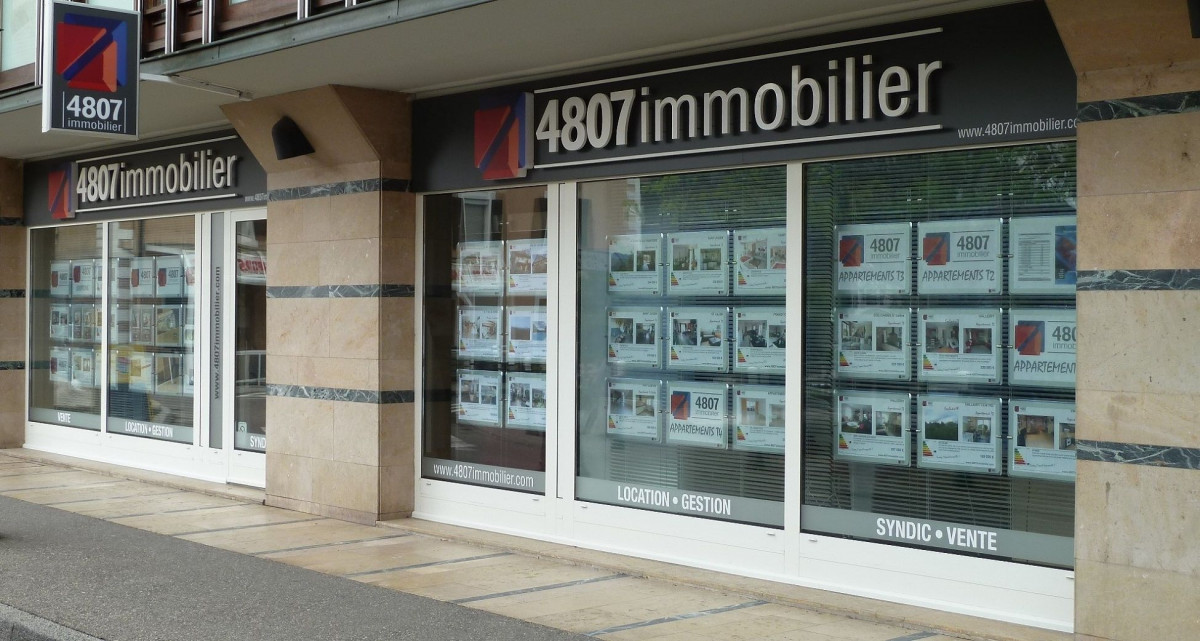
x: 152, y: 309
x: 486, y: 263
x: 250, y: 357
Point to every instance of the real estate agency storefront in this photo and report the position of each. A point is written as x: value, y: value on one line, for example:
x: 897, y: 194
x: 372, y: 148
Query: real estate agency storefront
x: 147, y: 281
x: 614, y: 265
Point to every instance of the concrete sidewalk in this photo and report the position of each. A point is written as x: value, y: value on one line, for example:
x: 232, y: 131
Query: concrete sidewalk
x: 156, y: 557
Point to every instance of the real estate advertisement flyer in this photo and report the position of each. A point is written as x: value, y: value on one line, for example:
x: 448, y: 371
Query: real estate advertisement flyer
x: 478, y: 333
x: 478, y: 397
x: 761, y: 335
x: 959, y: 344
x: 872, y: 342
x: 873, y: 427
x: 633, y: 409
x: 698, y: 338
x: 760, y: 261
x: 698, y: 415
x: 526, y: 329
x: 1043, y: 255
x: 758, y: 419
x: 526, y: 401
x: 1043, y: 349
x: 699, y: 263
x: 479, y: 267
x: 959, y: 257
x: 874, y: 258
x: 1043, y: 442
x: 634, y: 263
x: 527, y: 266
x: 634, y: 335
x: 959, y: 433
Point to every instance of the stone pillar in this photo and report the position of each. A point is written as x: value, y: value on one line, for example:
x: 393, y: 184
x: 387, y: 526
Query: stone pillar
x: 13, y: 271
x: 340, y: 342
x: 1137, y: 530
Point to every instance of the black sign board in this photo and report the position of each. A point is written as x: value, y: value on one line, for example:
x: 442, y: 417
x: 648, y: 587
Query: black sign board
x: 992, y: 76
x: 90, y: 76
x: 198, y: 173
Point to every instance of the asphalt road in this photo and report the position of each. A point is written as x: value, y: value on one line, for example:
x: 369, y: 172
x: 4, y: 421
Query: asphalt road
x: 122, y: 584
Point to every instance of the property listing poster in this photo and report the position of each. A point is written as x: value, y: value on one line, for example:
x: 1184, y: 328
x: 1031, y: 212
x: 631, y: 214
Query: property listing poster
x: 169, y: 278
x: 633, y: 264
x: 959, y: 433
x: 60, y: 278
x: 873, y: 427
x: 761, y: 335
x: 758, y: 418
x: 1043, y: 442
x: 874, y: 259
x: 139, y: 371
x: 872, y: 342
x: 698, y: 414
x: 60, y: 322
x: 527, y: 334
x: 760, y: 261
x: 526, y: 401
x: 83, y: 367
x: 60, y: 365
x: 959, y: 344
x: 633, y: 336
x: 527, y: 266
x: 478, y: 333
x: 142, y: 278
x: 633, y: 409
x: 698, y: 338
x: 478, y: 397
x: 959, y: 257
x: 1043, y: 255
x: 699, y: 263
x: 479, y: 267
x: 83, y: 279
x: 1043, y: 347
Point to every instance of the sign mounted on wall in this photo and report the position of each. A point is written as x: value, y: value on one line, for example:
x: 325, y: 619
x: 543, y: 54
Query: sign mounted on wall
x: 90, y: 79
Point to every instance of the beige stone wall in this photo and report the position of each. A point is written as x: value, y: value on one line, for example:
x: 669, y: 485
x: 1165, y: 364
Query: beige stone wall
x: 340, y: 443
x: 12, y: 306
x: 1137, y: 540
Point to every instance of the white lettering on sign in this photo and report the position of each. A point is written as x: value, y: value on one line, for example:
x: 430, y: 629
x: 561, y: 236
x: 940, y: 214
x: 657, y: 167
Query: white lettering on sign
x: 64, y: 417
x: 962, y: 537
x: 706, y: 504
x: 851, y: 92
x: 643, y: 496
x: 114, y: 181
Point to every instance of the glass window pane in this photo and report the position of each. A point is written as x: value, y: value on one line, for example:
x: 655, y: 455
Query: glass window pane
x: 682, y: 339
x: 250, y: 351
x: 152, y: 302
x: 18, y: 33
x: 486, y: 259
x: 940, y: 349
x: 66, y: 325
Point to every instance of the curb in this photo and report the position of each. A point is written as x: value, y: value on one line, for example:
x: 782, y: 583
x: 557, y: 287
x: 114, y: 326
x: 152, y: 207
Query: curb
x: 18, y: 625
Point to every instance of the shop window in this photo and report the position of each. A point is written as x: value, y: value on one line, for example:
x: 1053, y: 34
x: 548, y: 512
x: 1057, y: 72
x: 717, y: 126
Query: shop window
x: 939, y: 351
x: 152, y: 328
x: 682, y: 338
x: 486, y: 269
x: 66, y: 325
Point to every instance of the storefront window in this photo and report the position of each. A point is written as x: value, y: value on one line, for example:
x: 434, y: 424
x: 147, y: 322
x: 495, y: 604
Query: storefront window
x: 939, y: 351
x: 250, y: 357
x: 486, y: 268
x: 152, y: 321
x: 66, y: 325
x: 682, y: 338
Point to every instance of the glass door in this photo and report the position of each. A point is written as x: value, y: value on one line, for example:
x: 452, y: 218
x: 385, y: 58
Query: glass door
x: 243, y: 344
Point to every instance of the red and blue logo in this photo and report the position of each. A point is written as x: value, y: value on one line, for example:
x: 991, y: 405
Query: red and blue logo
x: 60, y: 191
x: 503, y: 137
x: 90, y: 52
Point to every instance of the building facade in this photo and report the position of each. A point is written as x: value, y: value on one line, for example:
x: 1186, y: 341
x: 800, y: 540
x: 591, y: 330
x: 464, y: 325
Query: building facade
x: 550, y: 294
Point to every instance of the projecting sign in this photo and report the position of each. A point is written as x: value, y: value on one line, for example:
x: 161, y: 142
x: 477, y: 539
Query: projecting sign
x: 90, y: 79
